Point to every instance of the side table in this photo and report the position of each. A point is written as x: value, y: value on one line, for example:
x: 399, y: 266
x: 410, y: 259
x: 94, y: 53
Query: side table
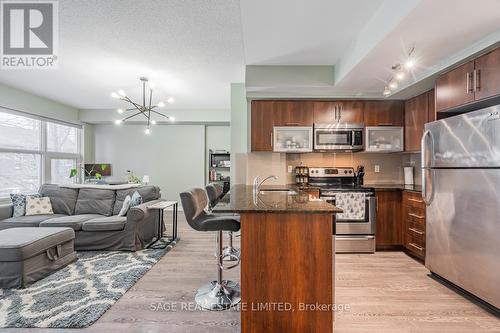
x: 159, y: 243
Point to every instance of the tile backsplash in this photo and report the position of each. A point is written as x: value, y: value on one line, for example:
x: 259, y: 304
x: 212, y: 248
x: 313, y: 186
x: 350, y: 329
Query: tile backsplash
x: 263, y: 164
x: 391, y: 165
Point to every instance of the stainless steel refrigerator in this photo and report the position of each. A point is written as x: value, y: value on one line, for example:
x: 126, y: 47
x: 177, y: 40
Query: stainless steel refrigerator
x: 461, y: 188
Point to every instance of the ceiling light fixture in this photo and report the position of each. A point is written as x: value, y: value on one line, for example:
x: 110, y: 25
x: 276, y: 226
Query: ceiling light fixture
x: 400, y: 73
x: 146, y: 108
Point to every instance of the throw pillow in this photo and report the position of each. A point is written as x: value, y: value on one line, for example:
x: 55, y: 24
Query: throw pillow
x: 38, y: 206
x: 19, y: 203
x: 125, y: 206
x: 135, y: 200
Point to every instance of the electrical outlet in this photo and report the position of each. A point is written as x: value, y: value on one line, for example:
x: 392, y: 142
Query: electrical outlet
x: 290, y: 168
x: 377, y: 168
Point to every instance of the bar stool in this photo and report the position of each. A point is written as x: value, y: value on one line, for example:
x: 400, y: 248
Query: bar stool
x: 219, y: 294
x: 214, y: 193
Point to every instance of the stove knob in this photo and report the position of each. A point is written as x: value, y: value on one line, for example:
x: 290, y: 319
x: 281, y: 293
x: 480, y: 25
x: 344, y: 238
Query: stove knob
x: 345, y: 171
x: 350, y: 171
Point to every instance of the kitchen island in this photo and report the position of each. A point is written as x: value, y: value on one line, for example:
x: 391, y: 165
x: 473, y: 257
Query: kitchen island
x: 287, y: 259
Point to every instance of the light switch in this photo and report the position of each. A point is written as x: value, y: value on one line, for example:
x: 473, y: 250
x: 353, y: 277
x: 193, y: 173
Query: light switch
x: 377, y: 168
x: 290, y: 168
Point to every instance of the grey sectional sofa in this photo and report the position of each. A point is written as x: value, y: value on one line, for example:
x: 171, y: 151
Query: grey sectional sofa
x: 93, y: 215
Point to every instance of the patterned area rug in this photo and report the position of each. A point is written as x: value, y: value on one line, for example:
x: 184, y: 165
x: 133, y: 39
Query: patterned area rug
x: 79, y: 294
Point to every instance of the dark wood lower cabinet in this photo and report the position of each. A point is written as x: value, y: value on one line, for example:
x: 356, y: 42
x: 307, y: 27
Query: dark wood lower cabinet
x: 286, y: 266
x: 389, y: 233
x: 414, y: 224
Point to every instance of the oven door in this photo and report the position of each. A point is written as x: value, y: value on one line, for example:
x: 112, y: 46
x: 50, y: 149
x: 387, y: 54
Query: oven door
x: 356, y: 227
x: 333, y: 139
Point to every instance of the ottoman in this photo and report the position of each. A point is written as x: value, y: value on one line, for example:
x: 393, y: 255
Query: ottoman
x: 29, y: 254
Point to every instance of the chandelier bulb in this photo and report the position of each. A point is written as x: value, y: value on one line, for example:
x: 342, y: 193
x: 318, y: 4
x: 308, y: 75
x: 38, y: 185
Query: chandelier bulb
x: 153, y: 122
x: 121, y: 93
x: 120, y: 111
x: 161, y: 104
x: 170, y: 100
x: 118, y: 121
x: 147, y: 131
x: 115, y: 95
x: 172, y: 119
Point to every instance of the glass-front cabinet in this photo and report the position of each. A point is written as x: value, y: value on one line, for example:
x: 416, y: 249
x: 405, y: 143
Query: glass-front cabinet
x: 293, y: 139
x: 384, y: 139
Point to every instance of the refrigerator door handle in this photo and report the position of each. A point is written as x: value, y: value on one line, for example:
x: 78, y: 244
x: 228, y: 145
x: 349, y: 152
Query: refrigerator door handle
x: 425, y: 167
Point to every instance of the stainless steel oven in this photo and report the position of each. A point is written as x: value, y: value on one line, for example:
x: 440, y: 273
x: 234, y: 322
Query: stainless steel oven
x: 355, y: 235
x: 354, y: 232
x: 339, y: 136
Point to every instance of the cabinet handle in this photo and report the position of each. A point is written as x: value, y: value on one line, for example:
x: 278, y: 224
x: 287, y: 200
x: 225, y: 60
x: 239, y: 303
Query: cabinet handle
x: 467, y: 81
x: 384, y: 124
x: 415, y: 200
x: 416, y: 246
x: 340, y: 112
x: 335, y: 108
x: 416, y: 231
x: 292, y: 124
x: 272, y: 143
x: 477, y: 78
x: 417, y: 216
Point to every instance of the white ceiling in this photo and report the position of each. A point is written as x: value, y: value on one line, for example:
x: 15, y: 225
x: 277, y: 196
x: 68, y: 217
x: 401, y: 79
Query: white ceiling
x: 194, y: 49
x: 301, y: 32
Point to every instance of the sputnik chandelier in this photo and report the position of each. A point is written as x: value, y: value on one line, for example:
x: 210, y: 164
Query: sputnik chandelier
x: 146, y: 109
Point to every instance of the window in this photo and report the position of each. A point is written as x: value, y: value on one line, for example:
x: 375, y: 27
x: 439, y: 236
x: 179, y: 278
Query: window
x: 19, y: 173
x: 35, y: 151
x: 63, y: 139
x: 60, y: 170
x: 19, y: 132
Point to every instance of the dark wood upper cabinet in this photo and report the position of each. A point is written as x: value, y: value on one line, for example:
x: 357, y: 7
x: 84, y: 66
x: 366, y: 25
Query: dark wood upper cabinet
x: 389, y: 223
x: 324, y: 112
x: 431, y: 105
x: 455, y: 87
x: 474, y: 81
x: 416, y: 115
x: 487, y: 75
x: 293, y: 113
x: 350, y: 111
x: 384, y: 113
x: 262, y: 123
x: 338, y: 111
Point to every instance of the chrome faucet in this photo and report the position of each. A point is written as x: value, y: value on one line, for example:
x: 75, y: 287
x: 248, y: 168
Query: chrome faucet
x: 257, y: 184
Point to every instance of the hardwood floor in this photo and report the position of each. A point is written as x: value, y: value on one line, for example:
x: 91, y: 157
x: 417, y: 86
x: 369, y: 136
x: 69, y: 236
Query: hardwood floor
x: 385, y: 292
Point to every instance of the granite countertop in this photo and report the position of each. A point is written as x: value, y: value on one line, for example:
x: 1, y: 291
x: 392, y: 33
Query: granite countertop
x: 242, y: 199
x: 380, y: 186
x: 403, y: 187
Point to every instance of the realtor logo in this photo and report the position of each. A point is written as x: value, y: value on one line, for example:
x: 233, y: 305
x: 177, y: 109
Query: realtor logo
x: 29, y: 34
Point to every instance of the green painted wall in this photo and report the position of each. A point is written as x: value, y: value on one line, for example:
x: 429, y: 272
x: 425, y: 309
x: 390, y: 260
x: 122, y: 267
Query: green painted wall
x: 23, y: 101
x: 239, y: 132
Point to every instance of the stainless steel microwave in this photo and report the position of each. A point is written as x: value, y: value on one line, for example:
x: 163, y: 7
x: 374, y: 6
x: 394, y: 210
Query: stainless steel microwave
x: 340, y: 136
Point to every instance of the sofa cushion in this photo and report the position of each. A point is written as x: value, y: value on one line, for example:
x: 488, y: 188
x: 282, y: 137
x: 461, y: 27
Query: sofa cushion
x: 18, y: 244
x: 19, y: 203
x: 148, y: 193
x: 95, y: 201
x: 108, y: 223
x: 74, y: 221
x: 63, y: 199
x: 38, y: 206
x: 26, y: 221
